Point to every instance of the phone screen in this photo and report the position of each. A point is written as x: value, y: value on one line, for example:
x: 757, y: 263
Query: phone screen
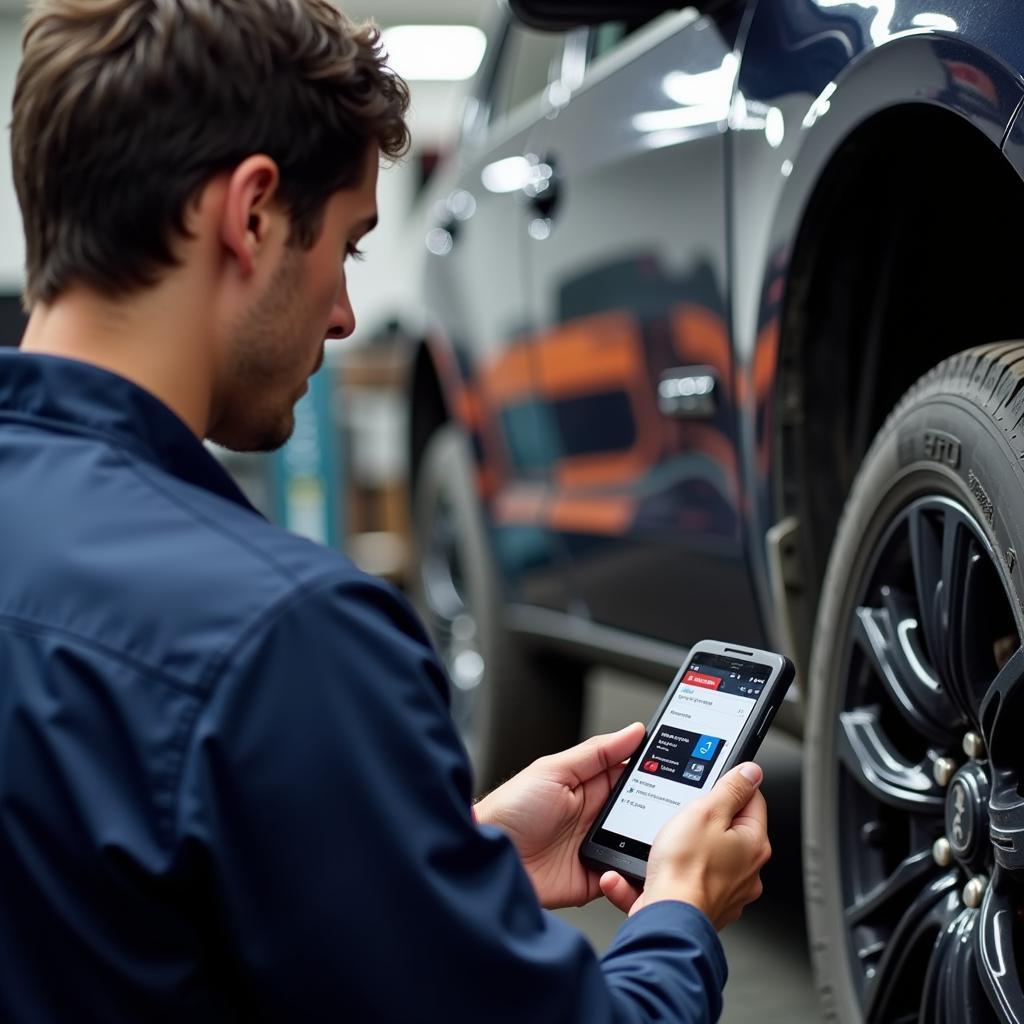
x: 685, y: 750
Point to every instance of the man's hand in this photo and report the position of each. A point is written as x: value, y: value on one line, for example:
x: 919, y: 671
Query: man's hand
x: 710, y: 854
x: 547, y: 809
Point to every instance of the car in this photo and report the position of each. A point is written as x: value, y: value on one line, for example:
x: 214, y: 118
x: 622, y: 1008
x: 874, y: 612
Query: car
x: 718, y: 338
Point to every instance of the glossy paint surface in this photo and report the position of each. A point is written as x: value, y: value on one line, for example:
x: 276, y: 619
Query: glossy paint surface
x: 637, y: 219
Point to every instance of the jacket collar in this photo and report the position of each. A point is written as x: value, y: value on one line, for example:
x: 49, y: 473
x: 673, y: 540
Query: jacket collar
x: 74, y: 397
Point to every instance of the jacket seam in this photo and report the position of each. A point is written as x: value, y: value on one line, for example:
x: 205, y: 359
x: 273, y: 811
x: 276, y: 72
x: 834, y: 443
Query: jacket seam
x: 221, y: 663
x: 201, y: 517
x: 35, y: 627
x: 165, y: 776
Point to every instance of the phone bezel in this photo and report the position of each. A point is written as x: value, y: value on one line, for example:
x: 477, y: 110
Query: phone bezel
x: 602, y: 858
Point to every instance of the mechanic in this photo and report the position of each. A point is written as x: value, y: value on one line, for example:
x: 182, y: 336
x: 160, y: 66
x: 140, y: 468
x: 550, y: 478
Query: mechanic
x: 230, y: 788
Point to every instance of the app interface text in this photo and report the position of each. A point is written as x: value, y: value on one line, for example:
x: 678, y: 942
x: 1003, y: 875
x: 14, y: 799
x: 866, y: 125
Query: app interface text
x: 688, y: 745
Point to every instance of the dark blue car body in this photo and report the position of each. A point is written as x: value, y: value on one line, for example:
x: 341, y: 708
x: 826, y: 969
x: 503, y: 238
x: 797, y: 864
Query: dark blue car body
x: 812, y: 201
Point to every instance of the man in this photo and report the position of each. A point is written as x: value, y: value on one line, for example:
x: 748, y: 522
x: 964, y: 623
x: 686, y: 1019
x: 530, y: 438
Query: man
x: 229, y: 786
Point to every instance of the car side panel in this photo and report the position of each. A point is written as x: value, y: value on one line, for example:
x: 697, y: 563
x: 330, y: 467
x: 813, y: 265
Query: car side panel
x: 476, y: 299
x: 629, y: 282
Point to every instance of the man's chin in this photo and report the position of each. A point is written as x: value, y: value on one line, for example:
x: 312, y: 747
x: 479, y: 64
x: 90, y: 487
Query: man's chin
x: 251, y: 440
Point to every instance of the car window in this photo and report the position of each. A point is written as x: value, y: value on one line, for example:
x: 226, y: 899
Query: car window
x: 524, y: 68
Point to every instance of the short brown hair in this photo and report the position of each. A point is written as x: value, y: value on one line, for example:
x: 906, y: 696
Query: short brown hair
x: 124, y: 109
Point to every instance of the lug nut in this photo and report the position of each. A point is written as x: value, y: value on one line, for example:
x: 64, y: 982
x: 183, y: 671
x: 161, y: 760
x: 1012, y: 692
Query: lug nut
x: 974, y: 746
x: 942, y: 852
x: 944, y: 769
x: 873, y: 833
x: 974, y: 891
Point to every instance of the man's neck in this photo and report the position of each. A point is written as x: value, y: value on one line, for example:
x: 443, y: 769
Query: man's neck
x: 145, y: 341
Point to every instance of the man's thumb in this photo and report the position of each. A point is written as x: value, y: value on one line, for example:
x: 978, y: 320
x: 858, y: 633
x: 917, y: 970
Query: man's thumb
x: 733, y: 791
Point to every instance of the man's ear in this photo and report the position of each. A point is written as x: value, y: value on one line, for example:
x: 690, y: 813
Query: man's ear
x: 249, y: 210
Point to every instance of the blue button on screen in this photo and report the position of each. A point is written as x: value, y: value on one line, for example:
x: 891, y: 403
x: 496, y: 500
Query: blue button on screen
x: 705, y: 747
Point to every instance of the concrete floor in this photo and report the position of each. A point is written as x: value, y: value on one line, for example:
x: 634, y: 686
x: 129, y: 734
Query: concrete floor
x: 769, y: 972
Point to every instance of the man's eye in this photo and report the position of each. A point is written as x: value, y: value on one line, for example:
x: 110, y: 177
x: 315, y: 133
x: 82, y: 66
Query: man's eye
x: 356, y: 254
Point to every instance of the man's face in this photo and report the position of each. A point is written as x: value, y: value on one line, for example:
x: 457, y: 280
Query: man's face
x: 279, y: 340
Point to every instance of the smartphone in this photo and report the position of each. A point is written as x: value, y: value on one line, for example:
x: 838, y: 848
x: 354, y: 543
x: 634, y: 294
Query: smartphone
x: 713, y: 717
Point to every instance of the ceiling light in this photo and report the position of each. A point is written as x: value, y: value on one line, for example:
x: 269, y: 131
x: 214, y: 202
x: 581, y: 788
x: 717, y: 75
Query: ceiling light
x: 435, y: 53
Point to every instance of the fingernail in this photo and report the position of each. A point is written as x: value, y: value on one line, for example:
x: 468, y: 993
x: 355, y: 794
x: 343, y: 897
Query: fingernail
x: 751, y: 772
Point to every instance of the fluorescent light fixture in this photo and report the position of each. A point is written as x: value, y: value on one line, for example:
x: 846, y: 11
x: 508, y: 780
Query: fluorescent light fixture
x: 435, y: 53
x: 508, y: 175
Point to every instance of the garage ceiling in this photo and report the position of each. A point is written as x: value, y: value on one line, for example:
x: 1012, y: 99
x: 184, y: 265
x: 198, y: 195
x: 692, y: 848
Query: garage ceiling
x: 387, y: 12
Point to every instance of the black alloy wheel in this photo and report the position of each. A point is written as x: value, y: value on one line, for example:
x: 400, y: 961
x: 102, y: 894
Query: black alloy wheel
x: 914, y: 761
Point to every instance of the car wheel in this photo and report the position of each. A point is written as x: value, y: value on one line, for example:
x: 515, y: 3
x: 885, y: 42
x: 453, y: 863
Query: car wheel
x: 914, y: 765
x: 509, y: 708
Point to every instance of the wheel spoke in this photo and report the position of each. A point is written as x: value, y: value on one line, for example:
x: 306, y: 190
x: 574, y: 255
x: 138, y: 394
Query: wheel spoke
x: 932, y: 999
x: 971, y: 659
x: 887, y: 636
x: 996, y: 728
x: 891, y: 897
x: 926, y: 558
x: 997, y: 960
x: 927, y: 915
x: 1000, y: 718
x: 936, y: 652
x: 953, y: 993
x: 868, y: 754
x: 959, y: 556
x: 942, y: 552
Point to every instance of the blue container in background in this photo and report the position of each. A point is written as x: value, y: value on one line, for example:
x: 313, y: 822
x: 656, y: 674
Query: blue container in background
x: 307, y: 474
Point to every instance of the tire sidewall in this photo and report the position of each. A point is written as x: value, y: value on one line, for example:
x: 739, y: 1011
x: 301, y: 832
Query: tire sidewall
x: 942, y: 443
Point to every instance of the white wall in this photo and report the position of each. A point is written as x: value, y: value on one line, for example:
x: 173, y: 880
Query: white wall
x: 386, y: 280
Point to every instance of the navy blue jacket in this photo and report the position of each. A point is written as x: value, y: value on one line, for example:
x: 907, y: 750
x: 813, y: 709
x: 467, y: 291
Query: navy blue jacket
x: 230, y: 789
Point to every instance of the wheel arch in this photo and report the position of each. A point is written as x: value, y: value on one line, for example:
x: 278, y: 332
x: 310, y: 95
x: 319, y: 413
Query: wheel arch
x: 887, y: 275
x: 437, y: 394
x: 877, y: 135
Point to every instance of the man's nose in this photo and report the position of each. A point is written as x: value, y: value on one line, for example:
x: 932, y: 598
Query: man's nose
x: 343, y: 319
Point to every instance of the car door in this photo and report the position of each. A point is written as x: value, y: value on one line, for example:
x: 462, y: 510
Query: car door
x: 628, y: 276
x: 476, y: 290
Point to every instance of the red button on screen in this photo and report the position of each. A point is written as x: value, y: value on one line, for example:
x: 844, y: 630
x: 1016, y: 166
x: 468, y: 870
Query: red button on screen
x: 699, y: 679
x: 650, y: 766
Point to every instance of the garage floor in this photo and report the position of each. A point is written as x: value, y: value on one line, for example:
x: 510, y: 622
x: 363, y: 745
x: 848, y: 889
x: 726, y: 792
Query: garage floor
x: 769, y: 973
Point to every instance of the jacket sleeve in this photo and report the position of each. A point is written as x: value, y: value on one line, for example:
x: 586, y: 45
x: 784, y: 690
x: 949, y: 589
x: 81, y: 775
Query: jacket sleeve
x: 329, y: 795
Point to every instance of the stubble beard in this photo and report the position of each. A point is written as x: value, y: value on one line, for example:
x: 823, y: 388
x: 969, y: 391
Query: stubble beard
x: 260, y: 416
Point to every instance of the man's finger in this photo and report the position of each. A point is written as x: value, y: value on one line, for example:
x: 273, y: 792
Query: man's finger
x: 754, y: 817
x: 618, y: 891
x: 599, y: 753
x: 734, y: 791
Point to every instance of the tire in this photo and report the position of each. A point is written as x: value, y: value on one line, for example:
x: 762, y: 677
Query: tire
x: 510, y: 708
x: 916, y: 658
